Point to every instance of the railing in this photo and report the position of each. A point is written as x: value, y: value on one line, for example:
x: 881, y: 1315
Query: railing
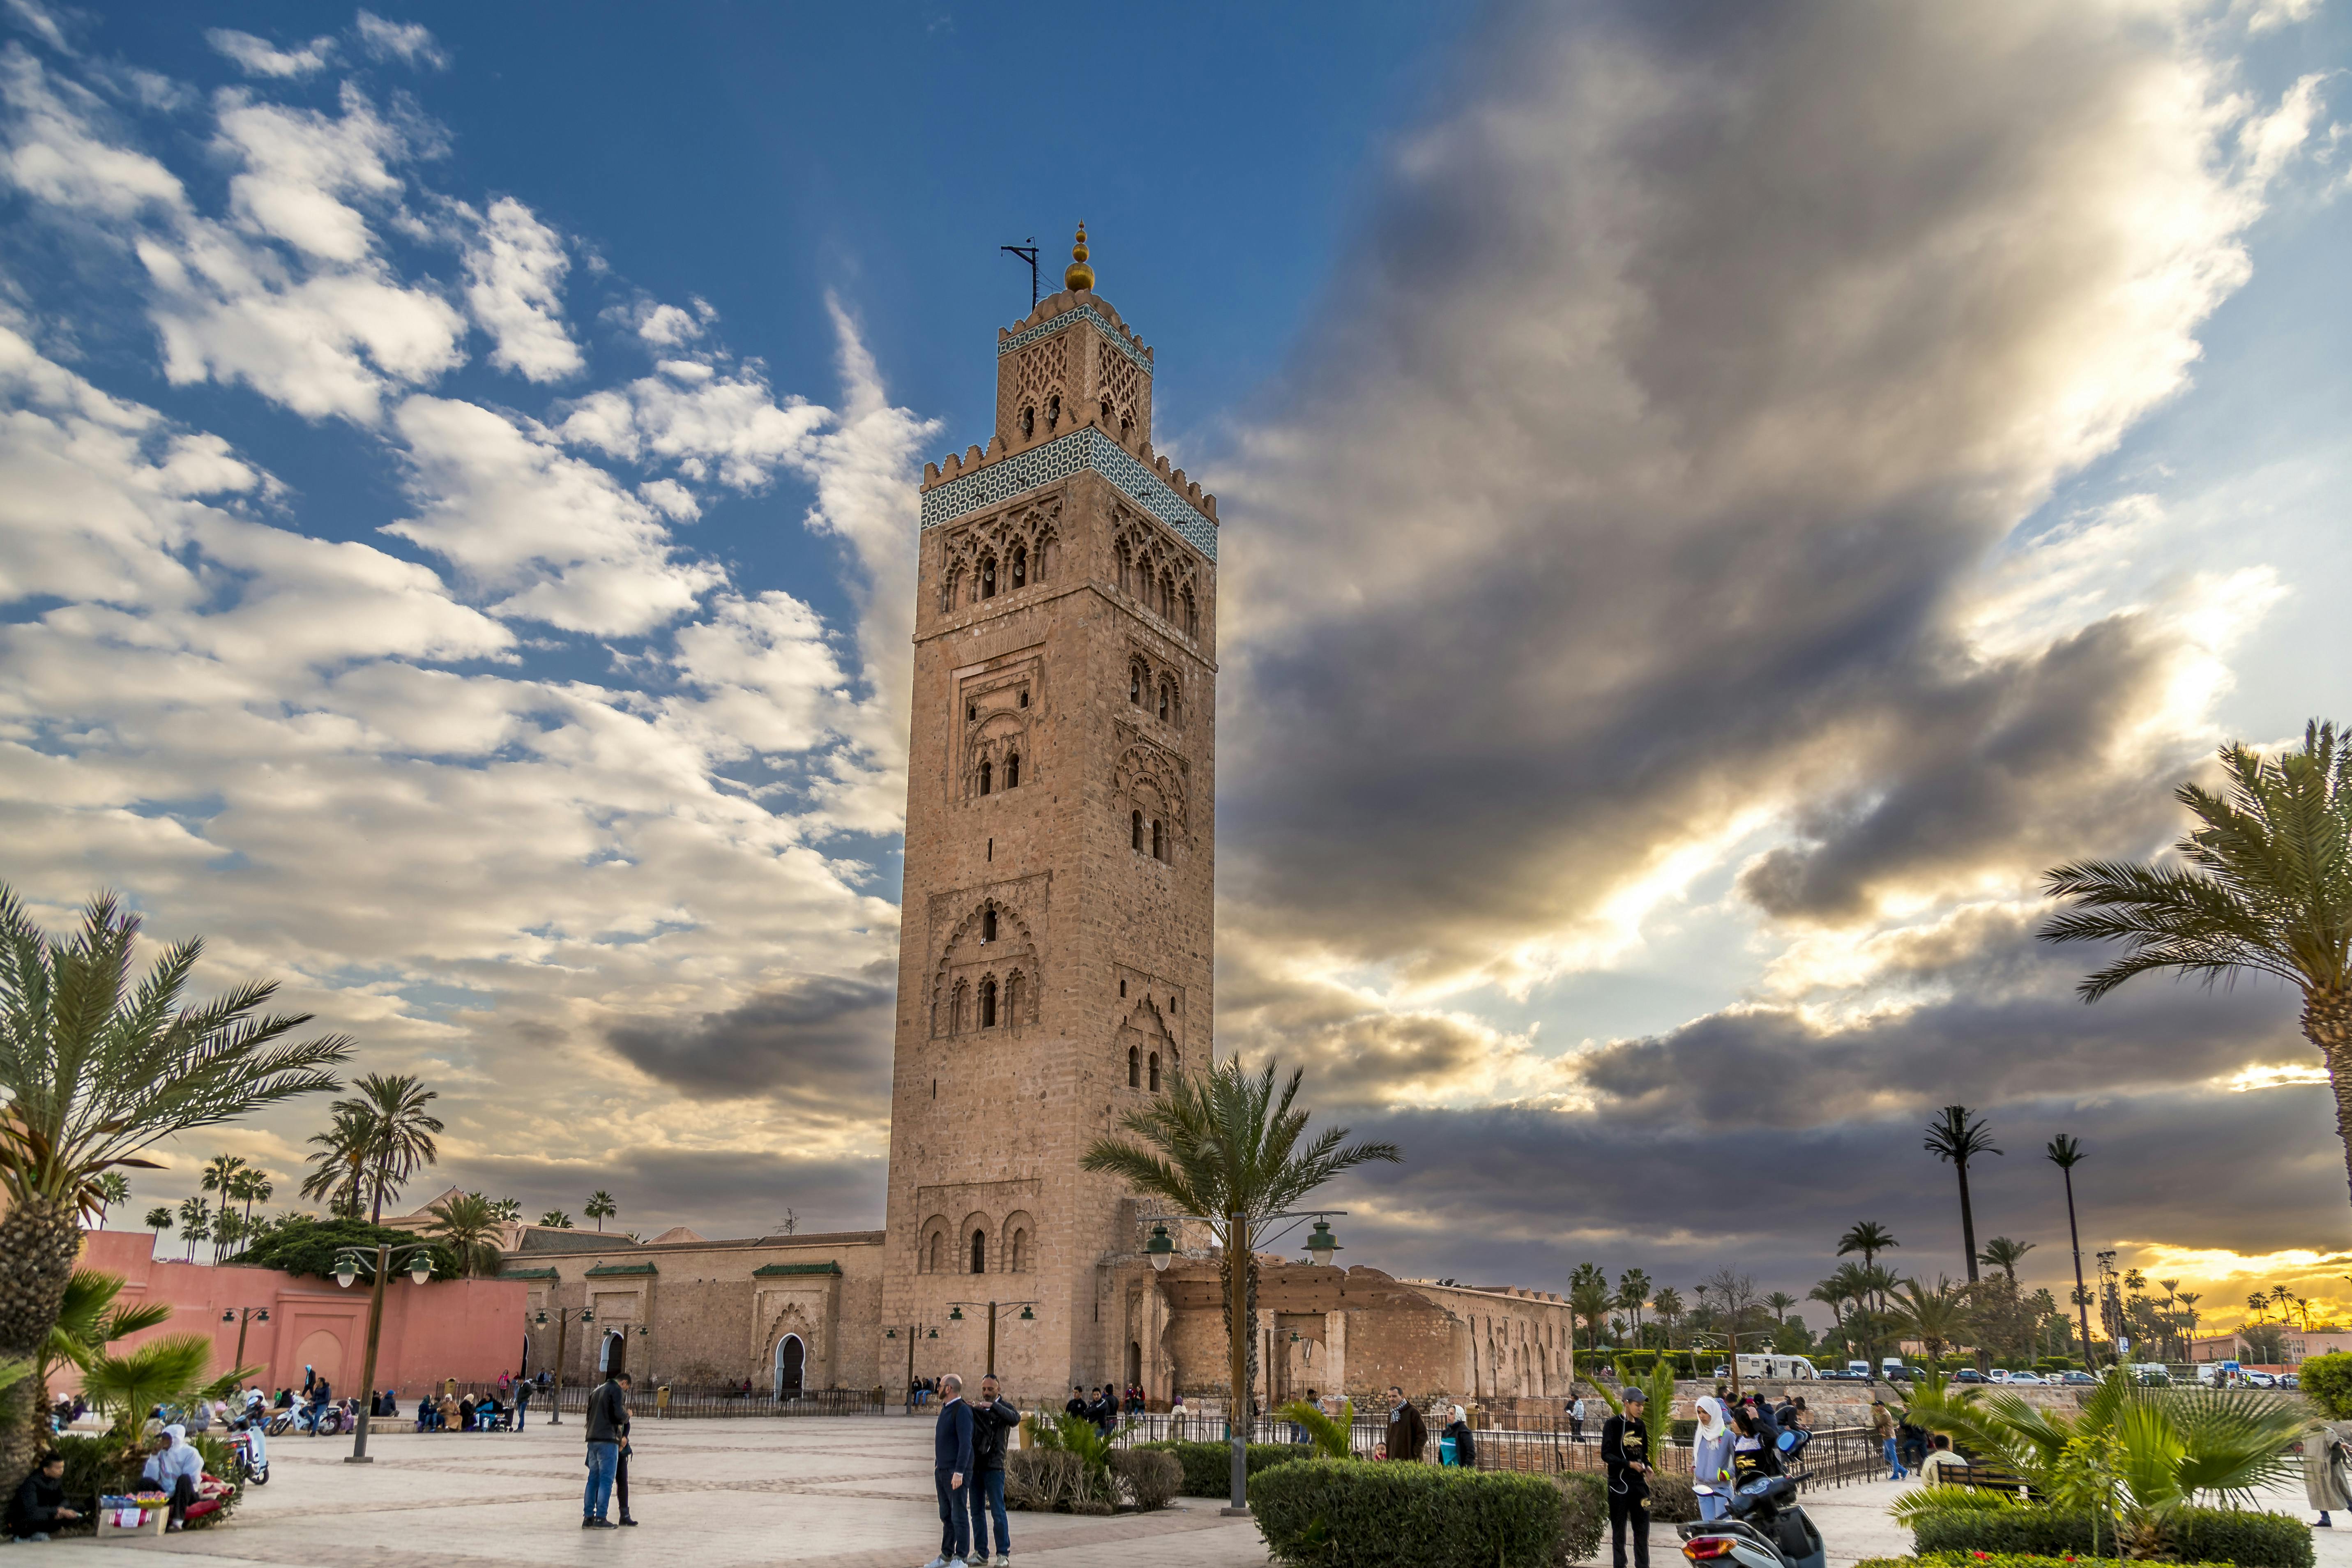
x: 685, y: 1401
x: 1533, y: 1444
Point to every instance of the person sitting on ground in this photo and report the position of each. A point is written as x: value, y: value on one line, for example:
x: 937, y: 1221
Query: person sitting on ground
x: 425, y: 1416
x: 175, y: 1468
x: 1935, y: 1469
x: 40, y: 1503
x: 465, y: 1408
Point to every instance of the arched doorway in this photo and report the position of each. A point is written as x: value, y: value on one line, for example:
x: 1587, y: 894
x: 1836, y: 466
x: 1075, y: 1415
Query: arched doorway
x: 1134, y: 1364
x: 791, y: 1360
x: 612, y: 1354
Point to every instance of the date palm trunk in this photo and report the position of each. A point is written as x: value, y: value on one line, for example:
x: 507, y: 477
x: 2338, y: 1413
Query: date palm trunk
x: 2327, y: 1023
x: 39, y: 1239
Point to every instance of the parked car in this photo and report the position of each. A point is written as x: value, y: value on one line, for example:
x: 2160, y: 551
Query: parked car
x: 2262, y: 1380
x: 2033, y: 1377
x: 1840, y: 1375
x: 1970, y: 1375
x: 2077, y: 1378
x: 1902, y: 1374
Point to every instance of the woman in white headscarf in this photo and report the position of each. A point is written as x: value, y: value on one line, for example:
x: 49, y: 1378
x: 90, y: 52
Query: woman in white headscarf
x: 1711, y: 1459
x: 176, y: 1467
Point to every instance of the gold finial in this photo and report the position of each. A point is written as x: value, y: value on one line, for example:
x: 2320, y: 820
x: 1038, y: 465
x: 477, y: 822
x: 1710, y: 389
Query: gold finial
x: 1080, y: 274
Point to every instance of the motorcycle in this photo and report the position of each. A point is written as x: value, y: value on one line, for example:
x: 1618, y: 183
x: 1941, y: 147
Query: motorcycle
x: 279, y: 1422
x: 1762, y: 1525
x: 249, y: 1453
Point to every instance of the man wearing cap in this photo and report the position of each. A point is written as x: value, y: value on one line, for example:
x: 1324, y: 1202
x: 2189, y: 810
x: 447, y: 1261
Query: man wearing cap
x: 1625, y: 1450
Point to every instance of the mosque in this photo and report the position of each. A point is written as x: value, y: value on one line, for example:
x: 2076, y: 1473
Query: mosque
x: 1056, y: 970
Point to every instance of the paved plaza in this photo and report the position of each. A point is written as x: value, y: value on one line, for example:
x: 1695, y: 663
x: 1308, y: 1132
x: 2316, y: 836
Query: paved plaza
x: 838, y: 1493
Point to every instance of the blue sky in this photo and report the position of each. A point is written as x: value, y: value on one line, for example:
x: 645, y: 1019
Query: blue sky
x: 1716, y: 499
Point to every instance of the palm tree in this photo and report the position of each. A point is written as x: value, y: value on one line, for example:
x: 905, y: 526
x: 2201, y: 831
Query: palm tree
x: 220, y: 1173
x: 507, y: 1211
x: 1589, y: 1298
x: 1959, y: 1136
x: 89, y: 1319
x: 195, y: 1222
x: 1780, y: 1302
x: 251, y: 1187
x: 2066, y: 1152
x: 1868, y: 1238
x: 469, y: 1223
x: 340, y: 1180
x: 113, y: 1188
x: 2266, y: 889
x: 1668, y: 1305
x: 600, y: 1207
x: 98, y: 1066
x: 163, y: 1370
x: 1633, y: 1294
x: 2005, y: 1255
x: 159, y: 1220
x: 1944, y: 1316
x: 2189, y: 1299
x: 400, y: 1133
x: 1830, y: 1294
x: 556, y: 1219
x: 1224, y: 1148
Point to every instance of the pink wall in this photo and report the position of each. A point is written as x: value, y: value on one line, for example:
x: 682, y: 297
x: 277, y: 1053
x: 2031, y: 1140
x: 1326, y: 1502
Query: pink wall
x: 470, y: 1330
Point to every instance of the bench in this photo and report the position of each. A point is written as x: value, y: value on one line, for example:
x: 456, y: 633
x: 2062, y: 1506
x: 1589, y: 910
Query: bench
x: 1993, y: 1477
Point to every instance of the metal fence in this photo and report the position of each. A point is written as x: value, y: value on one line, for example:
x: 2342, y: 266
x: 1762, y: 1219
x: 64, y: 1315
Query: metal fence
x: 654, y: 1401
x: 1533, y: 1444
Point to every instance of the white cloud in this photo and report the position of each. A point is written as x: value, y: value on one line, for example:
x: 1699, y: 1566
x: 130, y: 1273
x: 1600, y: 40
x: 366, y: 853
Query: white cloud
x: 299, y: 164
x: 43, y: 25
x: 259, y: 56
x: 514, y: 286
x: 667, y: 326
x: 55, y: 156
x: 410, y: 42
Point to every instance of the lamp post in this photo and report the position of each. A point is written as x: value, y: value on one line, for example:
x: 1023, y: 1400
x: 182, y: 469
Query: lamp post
x: 241, y: 1316
x: 1240, y: 1233
x: 349, y: 1264
x: 564, y: 1318
x: 955, y: 1315
x: 914, y: 1332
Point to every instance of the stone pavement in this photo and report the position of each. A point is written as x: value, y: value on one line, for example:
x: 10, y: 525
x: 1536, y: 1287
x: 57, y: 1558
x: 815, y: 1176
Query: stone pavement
x: 816, y: 1493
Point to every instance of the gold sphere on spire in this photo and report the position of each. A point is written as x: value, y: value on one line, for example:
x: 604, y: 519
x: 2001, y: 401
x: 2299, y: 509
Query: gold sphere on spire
x: 1080, y: 274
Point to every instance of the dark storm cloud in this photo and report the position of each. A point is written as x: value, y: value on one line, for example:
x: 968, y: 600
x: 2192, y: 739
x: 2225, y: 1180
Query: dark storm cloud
x: 720, y: 1193
x: 821, y: 1043
x: 1637, y: 474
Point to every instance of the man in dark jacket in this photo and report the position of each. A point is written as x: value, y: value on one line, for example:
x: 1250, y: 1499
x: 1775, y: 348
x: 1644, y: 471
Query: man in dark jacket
x: 40, y: 1503
x: 950, y: 1468
x: 1407, y: 1434
x: 621, y: 1463
x: 608, y: 1422
x: 522, y: 1402
x: 1625, y: 1450
x: 994, y: 1421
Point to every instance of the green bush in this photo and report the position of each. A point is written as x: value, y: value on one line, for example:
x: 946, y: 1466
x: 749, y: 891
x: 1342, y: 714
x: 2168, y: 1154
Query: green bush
x: 1208, y: 1467
x: 1673, y: 1499
x: 1406, y: 1516
x: 2328, y: 1383
x: 1996, y: 1560
x: 2244, y: 1536
x: 1152, y: 1475
x: 299, y: 1244
x: 94, y: 1468
x: 1583, y: 1517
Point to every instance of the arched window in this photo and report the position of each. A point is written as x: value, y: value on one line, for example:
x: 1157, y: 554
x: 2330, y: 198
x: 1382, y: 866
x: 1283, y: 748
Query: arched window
x: 1018, y: 1254
x: 1163, y: 702
x: 988, y: 924
x: 1135, y: 684
x: 933, y: 1263
x: 1126, y: 432
x: 1106, y: 412
x: 1165, y: 601
x: 988, y: 578
x: 1134, y: 1068
x: 1159, y: 841
x: 1054, y: 412
x: 1192, y: 616
x: 1020, y: 565
x: 1124, y: 565
x: 986, y: 775
x: 1013, y: 998
x: 950, y: 584
x: 1028, y: 423
x: 988, y: 1003
x: 1155, y: 1072
x: 1135, y: 832
x: 958, y: 1016
x: 1012, y: 769
x: 979, y: 1252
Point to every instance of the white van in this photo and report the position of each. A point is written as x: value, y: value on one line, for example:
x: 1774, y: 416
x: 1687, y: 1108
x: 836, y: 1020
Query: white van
x: 1782, y: 1368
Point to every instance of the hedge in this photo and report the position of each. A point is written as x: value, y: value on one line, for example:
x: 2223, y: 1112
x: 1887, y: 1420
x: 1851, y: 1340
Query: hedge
x: 1406, y: 1516
x: 2326, y: 1382
x: 93, y: 1466
x: 1998, y: 1560
x: 2242, y: 1536
x: 1208, y: 1467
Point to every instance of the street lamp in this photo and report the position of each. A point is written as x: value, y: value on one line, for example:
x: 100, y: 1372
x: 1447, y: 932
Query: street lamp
x: 349, y: 1264
x: 914, y: 1332
x: 1160, y: 1248
x: 240, y: 1316
x: 955, y: 1315
x: 1322, y: 1244
x: 564, y: 1318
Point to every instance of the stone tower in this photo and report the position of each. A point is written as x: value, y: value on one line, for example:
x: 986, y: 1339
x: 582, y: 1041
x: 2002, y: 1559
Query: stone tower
x: 1054, y: 964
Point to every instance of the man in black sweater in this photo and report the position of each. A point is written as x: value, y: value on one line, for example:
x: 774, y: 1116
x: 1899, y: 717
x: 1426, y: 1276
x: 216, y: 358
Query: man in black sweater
x: 40, y: 1504
x: 951, y: 1471
x: 994, y: 1418
x: 1625, y: 1450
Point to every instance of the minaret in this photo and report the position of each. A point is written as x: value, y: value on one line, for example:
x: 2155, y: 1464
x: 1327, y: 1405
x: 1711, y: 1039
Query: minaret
x: 1054, y: 959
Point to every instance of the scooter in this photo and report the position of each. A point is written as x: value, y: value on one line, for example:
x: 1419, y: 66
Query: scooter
x: 249, y: 1453
x: 1762, y: 1526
